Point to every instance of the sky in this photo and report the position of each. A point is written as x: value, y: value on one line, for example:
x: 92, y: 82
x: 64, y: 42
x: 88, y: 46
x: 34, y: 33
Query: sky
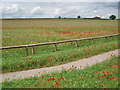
x: 53, y: 9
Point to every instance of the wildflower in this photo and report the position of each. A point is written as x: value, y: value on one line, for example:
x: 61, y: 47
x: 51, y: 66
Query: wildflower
x: 58, y: 79
x: 104, y: 75
x: 111, y: 78
x: 110, y: 74
x: 52, y: 78
x: 34, y: 62
x: 62, y: 77
x: 42, y: 76
x: 35, y: 79
x: 48, y: 79
x: 35, y: 85
x: 57, y: 82
x: 53, y: 86
x: 97, y: 72
x: 81, y: 77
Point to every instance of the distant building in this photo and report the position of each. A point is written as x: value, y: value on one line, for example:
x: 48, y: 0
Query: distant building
x: 97, y: 18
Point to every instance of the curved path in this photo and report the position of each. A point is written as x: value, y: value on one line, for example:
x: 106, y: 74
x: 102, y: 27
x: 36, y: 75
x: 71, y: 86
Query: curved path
x: 79, y: 64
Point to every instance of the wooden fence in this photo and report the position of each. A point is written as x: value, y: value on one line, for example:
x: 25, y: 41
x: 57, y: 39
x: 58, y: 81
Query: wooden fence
x: 55, y: 43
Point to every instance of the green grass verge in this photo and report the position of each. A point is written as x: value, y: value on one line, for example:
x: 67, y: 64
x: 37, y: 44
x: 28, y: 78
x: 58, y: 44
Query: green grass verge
x: 101, y: 75
x: 16, y: 60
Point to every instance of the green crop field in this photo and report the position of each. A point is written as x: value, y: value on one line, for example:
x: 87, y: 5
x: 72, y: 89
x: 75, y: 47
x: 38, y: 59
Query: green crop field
x: 20, y: 32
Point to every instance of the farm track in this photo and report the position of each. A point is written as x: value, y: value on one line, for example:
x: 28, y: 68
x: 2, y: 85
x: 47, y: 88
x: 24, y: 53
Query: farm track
x: 80, y: 64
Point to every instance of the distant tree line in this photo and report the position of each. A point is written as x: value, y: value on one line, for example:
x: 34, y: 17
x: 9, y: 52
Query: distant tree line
x: 110, y: 17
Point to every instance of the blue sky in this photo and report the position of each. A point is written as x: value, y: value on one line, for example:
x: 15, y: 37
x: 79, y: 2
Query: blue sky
x: 40, y: 9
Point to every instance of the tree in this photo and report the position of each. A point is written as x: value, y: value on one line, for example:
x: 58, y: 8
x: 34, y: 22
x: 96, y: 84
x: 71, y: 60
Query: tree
x: 78, y: 16
x: 112, y: 17
x: 59, y: 17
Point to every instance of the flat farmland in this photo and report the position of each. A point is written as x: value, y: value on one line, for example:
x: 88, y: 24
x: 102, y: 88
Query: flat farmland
x: 30, y: 31
x: 16, y: 32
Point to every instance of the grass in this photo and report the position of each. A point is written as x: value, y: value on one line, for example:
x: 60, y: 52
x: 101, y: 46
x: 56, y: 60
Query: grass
x: 16, y: 60
x: 101, y: 75
x: 18, y: 32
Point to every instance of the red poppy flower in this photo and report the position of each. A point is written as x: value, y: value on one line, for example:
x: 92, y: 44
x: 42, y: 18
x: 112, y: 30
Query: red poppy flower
x: 35, y: 85
x: 110, y: 74
x: 42, y: 76
x: 81, y: 77
x: 48, y: 79
x: 58, y: 79
x: 59, y: 84
x: 52, y: 78
x: 62, y: 77
x: 111, y: 78
x: 35, y: 79
x: 34, y: 62
x: 56, y: 82
x: 104, y: 75
x: 53, y: 86
x: 40, y: 81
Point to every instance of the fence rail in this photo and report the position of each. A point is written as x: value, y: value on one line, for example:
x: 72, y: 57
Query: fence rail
x: 55, y: 43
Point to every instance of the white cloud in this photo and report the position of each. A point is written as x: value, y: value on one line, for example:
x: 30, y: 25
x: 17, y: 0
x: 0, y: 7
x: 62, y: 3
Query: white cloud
x: 54, y: 9
x: 36, y: 10
x: 59, y: 0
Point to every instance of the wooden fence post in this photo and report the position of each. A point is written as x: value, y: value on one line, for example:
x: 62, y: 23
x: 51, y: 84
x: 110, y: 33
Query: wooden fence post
x: 92, y: 41
x: 26, y: 50
x: 55, y: 47
x: 116, y: 37
x: 77, y: 44
x: 33, y: 50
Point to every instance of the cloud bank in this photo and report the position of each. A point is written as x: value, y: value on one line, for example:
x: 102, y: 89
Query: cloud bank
x: 56, y: 9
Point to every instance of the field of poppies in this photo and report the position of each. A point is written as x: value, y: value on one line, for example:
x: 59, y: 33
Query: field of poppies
x: 19, y: 32
x: 102, y: 75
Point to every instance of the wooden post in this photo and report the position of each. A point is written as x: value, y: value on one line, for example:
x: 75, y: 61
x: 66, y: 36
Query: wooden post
x: 33, y: 50
x: 116, y: 37
x: 92, y: 41
x: 55, y: 47
x: 26, y: 50
x: 77, y: 44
